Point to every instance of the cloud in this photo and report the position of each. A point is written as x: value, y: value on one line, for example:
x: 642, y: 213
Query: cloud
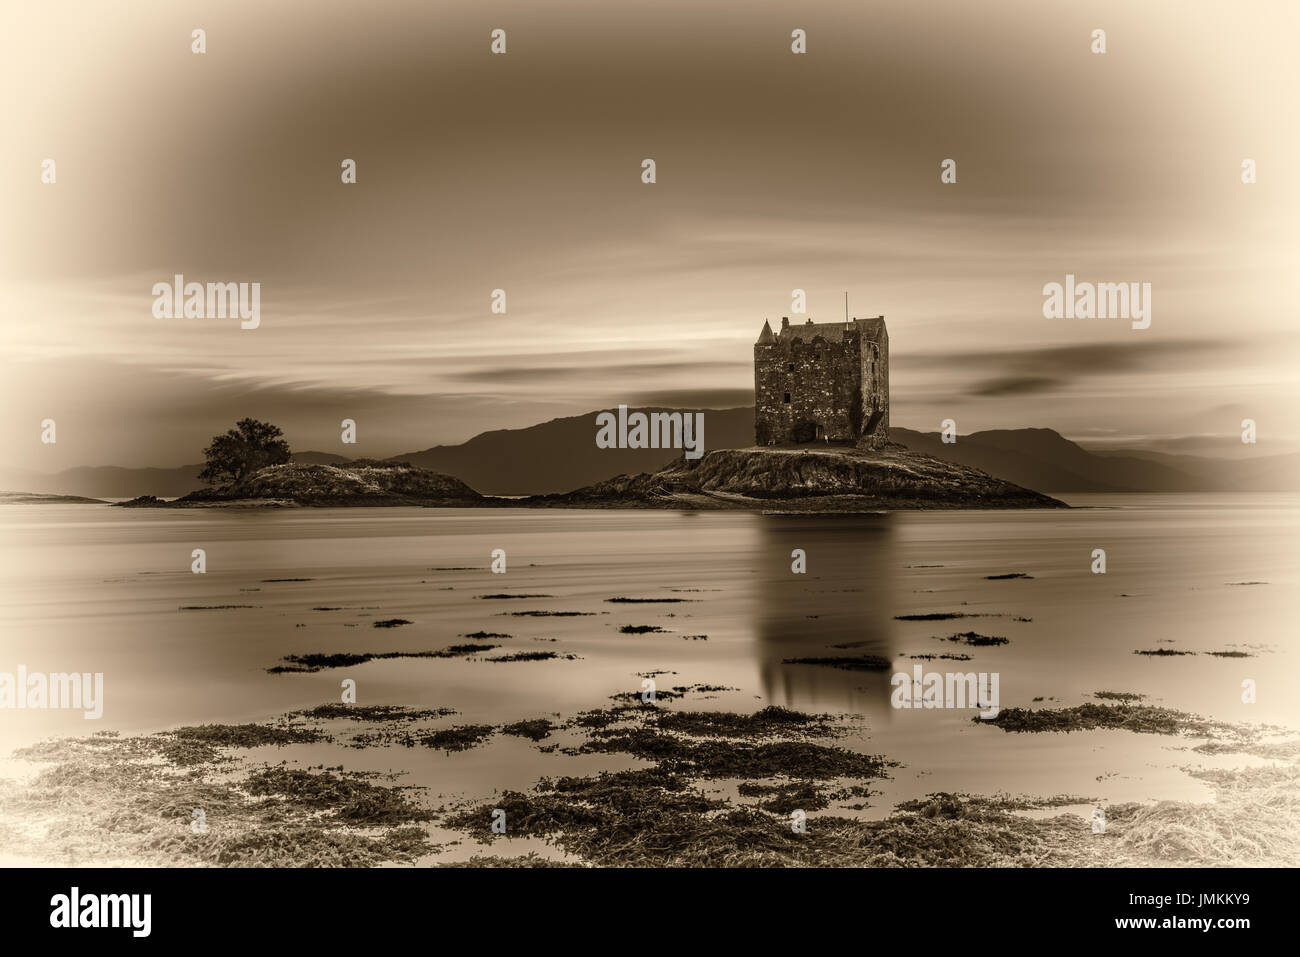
x: 1052, y: 368
x: 514, y: 375
x: 376, y: 296
x: 1017, y: 385
x: 696, y: 399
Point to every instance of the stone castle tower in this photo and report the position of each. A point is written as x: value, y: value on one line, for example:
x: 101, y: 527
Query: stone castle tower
x: 826, y: 381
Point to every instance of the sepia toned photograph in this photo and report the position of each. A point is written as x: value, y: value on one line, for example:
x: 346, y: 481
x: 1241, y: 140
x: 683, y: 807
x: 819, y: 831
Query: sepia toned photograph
x: 640, y: 436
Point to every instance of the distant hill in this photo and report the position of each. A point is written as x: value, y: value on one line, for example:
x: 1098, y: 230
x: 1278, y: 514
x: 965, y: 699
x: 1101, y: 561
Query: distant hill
x: 1044, y: 459
x: 318, y: 458
x: 40, y: 498
x: 110, y: 481
x: 1271, y: 473
x: 524, y: 461
x: 561, y: 456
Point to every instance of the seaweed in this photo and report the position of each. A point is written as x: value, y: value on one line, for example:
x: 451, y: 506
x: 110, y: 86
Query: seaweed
x: 459, y: 651
x: 846, y: 662
x: 131, y: 801
x: 348, y: 797
x: 536, y: 729
x: 769, y: 721
x: 249, y: 735
x: 460, y: 738
x: 374, y: 712
x: 725, y: 759
x: 653, y: 818
x: 550, y: 614
x: 938, y: 616
x: 786, y: 798
x: 1143, y: 719
x: 318, y: 661
x: 647, y: 601
x: 976, y: 640
x: 530, y: 656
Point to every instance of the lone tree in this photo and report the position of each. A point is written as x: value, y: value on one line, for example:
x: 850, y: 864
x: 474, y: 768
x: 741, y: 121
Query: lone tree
x: 249, y: 446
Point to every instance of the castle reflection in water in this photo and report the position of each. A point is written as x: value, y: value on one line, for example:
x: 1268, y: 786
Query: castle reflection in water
x: 839, y: 607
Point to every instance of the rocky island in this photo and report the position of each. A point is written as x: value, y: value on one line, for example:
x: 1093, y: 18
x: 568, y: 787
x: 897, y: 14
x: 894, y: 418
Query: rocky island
x: 834, y: 479
x: 821, y: 434
x: 361, y: 482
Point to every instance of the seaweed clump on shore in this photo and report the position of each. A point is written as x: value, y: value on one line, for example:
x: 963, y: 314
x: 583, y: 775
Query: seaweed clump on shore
x: 1143, y: 719
x: 655, y: 818
x: 535, y: 729
x: 318, y: 662
x: 250, y: 735
x: 845, y: 662
x: 131, y: 801
x: 372, y: 712
x: 977, y: 640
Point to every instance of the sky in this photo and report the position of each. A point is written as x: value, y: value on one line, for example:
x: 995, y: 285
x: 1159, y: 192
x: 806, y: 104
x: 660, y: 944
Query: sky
x: 775, y: 171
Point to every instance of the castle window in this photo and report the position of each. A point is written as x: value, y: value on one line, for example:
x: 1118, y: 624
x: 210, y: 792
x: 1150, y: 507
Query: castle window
x: 791, y: 366
x: 787, y: 397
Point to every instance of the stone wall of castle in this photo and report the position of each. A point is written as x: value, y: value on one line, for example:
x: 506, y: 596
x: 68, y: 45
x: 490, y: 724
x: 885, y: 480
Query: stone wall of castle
x: 808, y: 390
x: 875, y: 378
x: 810, y: 387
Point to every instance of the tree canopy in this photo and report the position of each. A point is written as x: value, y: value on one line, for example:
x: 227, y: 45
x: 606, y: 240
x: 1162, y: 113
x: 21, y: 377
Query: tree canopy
x: 249, y: 446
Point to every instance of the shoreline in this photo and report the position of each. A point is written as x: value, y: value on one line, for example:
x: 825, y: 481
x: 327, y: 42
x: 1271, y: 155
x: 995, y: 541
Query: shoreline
x: 843, y: 480
x: 807, y: 506
x: 665, y: 810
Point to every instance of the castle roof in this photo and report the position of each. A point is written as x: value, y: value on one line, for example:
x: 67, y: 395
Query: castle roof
x: 872, y: 329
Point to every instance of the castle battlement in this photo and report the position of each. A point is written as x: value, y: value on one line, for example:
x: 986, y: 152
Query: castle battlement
x: 822, y: 382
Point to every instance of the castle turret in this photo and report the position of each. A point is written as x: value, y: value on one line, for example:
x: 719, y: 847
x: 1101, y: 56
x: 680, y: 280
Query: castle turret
x: 766, y: 335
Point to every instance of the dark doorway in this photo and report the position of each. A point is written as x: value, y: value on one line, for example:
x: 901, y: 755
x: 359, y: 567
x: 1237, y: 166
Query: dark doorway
x: 805, y: 432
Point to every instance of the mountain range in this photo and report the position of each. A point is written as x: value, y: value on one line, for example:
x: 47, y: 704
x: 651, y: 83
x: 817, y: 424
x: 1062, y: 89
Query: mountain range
x: 561, y: 455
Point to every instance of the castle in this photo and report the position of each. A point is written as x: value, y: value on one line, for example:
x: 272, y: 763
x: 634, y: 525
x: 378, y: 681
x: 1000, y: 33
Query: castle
x: 822, y: 382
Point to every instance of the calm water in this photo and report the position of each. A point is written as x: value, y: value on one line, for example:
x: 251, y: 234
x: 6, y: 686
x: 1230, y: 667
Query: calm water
x: 91, y: 588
